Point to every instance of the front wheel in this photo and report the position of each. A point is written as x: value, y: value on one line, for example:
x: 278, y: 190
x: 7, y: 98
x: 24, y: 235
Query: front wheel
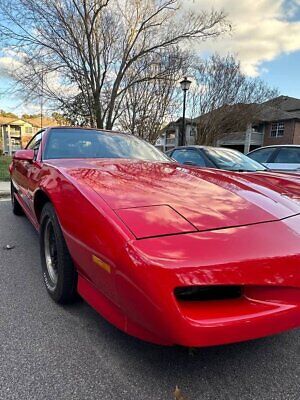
x: 59, y: 274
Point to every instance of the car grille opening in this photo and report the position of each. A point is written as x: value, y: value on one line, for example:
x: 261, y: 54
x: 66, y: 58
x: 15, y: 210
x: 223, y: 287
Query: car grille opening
x: 205, y: 293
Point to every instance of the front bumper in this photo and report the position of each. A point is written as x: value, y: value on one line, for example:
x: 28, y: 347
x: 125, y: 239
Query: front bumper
x: 263, y: 259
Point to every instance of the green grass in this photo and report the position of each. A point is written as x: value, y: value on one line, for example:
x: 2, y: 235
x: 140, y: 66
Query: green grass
x: 4, y: 163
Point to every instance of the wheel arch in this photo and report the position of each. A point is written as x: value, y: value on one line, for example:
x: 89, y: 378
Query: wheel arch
x: 40, y: 199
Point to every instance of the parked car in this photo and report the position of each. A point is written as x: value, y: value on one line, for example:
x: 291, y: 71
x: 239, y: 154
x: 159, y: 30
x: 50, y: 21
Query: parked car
x: 171, y: 255
x: 281, y: 158
x: 215, y: 157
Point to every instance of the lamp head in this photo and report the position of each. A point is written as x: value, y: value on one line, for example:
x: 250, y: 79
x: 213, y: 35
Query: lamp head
x: 185, y: 84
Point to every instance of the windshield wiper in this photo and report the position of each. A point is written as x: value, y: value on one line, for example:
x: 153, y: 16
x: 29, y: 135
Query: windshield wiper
x: 245, y: 170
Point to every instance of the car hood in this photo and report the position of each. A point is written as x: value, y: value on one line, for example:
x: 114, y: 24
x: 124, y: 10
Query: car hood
x: 205, y: 199
x: 288, y: 184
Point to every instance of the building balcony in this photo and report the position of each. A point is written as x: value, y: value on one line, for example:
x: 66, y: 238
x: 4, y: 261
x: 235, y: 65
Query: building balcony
x: 170, y: 141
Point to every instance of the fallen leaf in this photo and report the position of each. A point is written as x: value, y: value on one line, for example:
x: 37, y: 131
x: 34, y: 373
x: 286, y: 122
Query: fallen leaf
x: 178, y: 394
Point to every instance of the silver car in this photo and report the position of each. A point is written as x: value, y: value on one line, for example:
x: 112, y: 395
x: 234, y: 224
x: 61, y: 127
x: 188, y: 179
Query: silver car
x: 280, y: 158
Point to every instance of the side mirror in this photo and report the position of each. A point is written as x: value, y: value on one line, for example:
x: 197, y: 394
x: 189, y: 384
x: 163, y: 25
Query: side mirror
x: 24, y: 155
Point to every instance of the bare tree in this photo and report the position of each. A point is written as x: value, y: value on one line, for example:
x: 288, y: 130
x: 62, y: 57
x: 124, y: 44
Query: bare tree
x: 224, y: 97
x: 148, y: 104
x: 94, y: 48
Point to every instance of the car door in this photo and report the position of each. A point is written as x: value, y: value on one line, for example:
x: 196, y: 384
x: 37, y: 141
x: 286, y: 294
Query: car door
x: 189, y: 157
x: 25, y: 176
x: 287, y: 158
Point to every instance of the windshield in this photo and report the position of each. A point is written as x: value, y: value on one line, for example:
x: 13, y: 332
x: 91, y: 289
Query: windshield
x: 89, y: 143
x: 233, y: 160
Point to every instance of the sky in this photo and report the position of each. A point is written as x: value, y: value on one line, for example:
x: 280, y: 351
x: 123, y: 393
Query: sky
x: 265, y: 37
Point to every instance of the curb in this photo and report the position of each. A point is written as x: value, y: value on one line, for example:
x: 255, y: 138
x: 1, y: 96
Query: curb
x: 4, y: 189
x: 4, y: 194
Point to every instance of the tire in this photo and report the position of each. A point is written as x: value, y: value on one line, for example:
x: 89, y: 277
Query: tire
x: 59, y: 273
x: 16, y: 208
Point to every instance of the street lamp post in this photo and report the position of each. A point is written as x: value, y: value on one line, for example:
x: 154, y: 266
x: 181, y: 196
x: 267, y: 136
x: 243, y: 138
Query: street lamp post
x: 42, y: 99
x: 185, y: 85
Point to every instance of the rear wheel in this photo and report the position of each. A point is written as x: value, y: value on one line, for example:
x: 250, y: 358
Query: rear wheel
x: 16, y: 208
x: 59, y: 273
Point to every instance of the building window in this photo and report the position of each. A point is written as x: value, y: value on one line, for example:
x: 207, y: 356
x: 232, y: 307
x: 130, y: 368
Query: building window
x: 15, y: 131
x: 277, y: 129
x: 170, y: 138
x: 28, y: 129
x: 193, y: 132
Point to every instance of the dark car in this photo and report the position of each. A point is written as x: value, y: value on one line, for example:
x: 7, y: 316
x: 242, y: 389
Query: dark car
x: 280, y: 158
x: 215, y: 157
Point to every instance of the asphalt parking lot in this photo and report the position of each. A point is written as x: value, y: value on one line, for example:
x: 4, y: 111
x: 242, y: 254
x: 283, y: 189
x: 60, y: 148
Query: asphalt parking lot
x: 53, y: 352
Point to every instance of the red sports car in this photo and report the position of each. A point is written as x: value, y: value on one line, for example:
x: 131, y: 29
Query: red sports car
x: 168, y: 253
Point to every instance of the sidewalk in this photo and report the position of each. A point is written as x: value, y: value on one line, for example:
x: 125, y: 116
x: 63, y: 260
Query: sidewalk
x: 4, y: 189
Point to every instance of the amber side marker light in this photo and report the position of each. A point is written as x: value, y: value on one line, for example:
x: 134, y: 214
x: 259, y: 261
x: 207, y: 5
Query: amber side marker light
x: 206, y: 293
x: 102, y: 264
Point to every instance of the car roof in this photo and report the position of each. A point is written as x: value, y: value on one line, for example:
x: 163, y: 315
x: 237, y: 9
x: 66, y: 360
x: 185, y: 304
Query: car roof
x: 87, y: 128
x: 275, y: 146
x: 195, y: 146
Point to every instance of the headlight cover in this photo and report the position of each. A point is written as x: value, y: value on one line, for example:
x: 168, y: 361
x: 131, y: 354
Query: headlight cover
x: 153, y: 221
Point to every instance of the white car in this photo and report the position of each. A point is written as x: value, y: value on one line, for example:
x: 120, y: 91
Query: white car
x: 280, y: 158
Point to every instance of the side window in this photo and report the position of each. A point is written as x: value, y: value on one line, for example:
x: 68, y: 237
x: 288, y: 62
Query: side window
x: 35, y: 142
x: 189, y: 155
x: 262, y: 155
x: 288, y: 155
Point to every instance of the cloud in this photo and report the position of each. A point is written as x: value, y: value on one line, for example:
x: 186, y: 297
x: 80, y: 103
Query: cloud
x: 9, y: 61
x: 28, y: 108
x: 262, y: 30
x: 13, y: 67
